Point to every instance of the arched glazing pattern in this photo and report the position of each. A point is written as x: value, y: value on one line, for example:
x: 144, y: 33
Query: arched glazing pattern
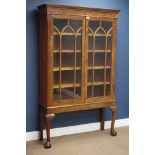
x: 99, y: 58
x: 67, y: 59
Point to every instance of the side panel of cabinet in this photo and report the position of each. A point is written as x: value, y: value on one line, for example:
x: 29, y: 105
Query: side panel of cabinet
x: 100, y: 58
x: 43, y: 42
x: 66, y: 60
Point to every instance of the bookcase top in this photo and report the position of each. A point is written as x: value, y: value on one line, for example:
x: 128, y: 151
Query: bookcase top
x: 78, y: 8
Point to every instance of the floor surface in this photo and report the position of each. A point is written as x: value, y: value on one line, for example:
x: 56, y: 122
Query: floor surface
x: 90, y: 143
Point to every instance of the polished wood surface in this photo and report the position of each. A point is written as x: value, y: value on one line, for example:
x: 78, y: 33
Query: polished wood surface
x: 77, y: 52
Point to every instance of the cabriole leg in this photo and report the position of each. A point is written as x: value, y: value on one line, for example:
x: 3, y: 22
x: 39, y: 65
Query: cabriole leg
x: 113, y: 132
x: 102, y: 118
x: 41, y: 125
x: 49, y: 118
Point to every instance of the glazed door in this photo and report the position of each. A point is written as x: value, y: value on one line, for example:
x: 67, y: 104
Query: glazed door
x: 99, y: 54
x: 68, y: 34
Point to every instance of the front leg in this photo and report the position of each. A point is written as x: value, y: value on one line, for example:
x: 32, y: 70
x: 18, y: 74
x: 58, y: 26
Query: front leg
x: 41, y: 124
x: 113, y: 132
x: 102, y: 119
x: 49, y: 118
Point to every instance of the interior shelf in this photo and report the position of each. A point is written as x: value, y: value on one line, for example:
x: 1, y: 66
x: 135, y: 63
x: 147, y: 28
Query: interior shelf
x: 79, y: 68
x: 70, y: 85
x: 97, y: 34
x: 63, y: 96
x: 66, y: 68
x: 67, y: 85
x: 78, y: 51
x: 97, y: 83
x: 67, y: 51
x: 67, y: 93
x: 98, y: 51
x: 68, y: 34
x: 99, y: 67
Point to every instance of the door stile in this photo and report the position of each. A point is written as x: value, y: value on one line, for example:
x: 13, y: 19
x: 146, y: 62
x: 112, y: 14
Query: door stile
x: 113, y: 58
x: 83, y: 58
x: 86, y: 56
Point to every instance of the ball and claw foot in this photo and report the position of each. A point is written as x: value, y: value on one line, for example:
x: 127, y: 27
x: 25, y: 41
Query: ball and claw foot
x: 113, y: 133
x: 47, y: 145
x: 41, y: 139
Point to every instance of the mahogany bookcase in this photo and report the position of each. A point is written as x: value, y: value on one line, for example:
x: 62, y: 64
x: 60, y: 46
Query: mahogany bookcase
x: 77, y: 48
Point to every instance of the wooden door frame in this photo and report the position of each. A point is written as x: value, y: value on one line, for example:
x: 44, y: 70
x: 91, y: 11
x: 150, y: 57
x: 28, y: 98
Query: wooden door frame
x: 51, y: 102
x: 112, y: 81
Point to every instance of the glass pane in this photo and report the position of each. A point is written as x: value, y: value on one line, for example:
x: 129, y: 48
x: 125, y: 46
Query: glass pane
x: 107, y: 89
x: 93, y: 25
x: 90, y: 77
x: 107, y: 26
x: 109, y: 43
x: 98, y: 90
x: 108, y: 75
x: 90, y: 42
x: 66, y: 93
x: 67, y: 42
x: 108, y: 60
x: 79, y: 42
x: 67, y: 59
x: 56, y: 42
x: 89, y: 91
x: 99, y: 58
x: 100, y: 42
x: 99, y: 75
